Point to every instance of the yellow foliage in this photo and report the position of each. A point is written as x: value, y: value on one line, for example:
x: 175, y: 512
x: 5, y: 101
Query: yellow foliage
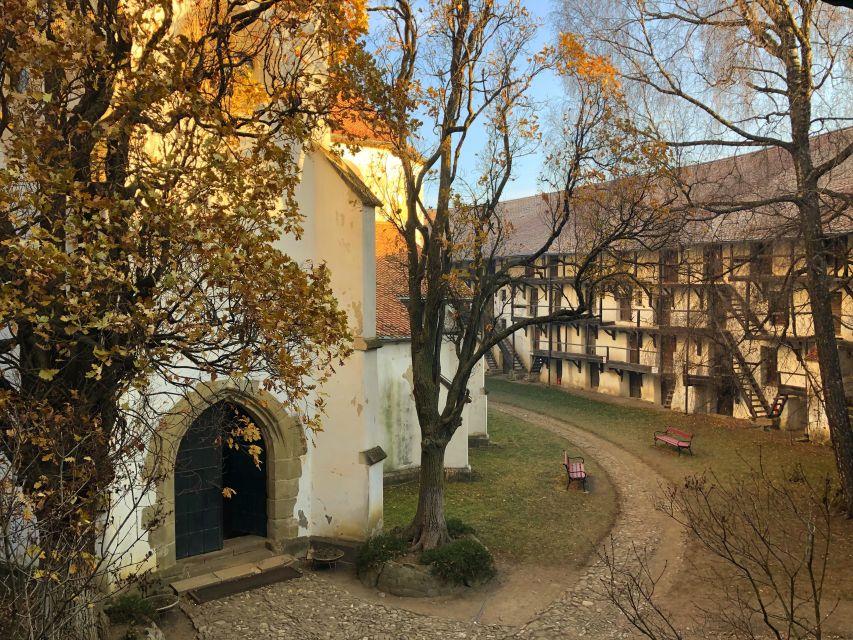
x: 574, y: 59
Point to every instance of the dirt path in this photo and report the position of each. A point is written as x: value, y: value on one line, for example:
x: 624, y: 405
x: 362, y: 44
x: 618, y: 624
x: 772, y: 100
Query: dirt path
x: 316, y: 607
x: 579, y: 612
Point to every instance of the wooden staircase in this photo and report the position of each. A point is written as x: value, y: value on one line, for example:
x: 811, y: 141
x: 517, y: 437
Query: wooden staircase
x: 733, y: 305
x: 779, y: 405
x: 492, y: 366
x: 536, y: 367
x: 750, y: 391
x: 511, y: 360
x: 667, y: 399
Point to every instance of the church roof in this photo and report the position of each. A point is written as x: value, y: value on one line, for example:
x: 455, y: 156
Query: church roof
x: 352, y: 178
x: 351, y: 126
x: 392, y: 317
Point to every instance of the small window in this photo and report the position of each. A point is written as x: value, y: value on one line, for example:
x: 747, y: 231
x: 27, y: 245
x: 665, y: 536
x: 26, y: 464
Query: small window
x: 769, y: 366
x: 777, y: 305
x: 698, y: 347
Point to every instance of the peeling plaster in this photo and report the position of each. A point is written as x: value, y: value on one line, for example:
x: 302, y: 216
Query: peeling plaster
x: 358, y: 317
x: 409, y: 376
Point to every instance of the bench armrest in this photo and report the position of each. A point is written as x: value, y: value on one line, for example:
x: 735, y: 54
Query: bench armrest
x: 575, y: 458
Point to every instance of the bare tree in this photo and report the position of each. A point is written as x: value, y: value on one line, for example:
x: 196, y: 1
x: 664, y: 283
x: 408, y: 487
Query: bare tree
x: 445, y: 74
x: 747, y: 74
x: 772, y: 538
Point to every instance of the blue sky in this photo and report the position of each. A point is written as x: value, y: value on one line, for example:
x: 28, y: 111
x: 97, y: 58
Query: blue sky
x: 547, y: 90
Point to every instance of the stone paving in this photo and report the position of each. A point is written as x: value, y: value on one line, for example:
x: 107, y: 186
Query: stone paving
x: 311, y: 608
x: 580, y: 612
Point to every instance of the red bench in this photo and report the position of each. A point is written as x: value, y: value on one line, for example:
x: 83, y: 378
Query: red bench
x: 677, y: 438
x: 574, y: 470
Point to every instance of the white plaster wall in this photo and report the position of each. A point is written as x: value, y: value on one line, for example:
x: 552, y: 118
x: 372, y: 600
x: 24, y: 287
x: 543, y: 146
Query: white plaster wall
x: 339, y: 495
x: 343, y: 499
x: 399, y: 431
x: 382, y: 171
x: 476, y: 412
x: 398, y: 423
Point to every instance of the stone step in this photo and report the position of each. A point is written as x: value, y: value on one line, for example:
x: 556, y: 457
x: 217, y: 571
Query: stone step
x: 242, y: 550
x: 231, y: 572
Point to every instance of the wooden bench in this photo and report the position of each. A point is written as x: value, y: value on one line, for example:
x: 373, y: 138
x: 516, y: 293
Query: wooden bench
x: 574, y: 470
x: 677, y: 438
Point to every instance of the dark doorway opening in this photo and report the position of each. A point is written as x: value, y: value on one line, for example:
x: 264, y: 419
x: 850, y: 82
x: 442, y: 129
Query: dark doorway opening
x: 726, y: 393
x: 667, y: 358
x: 245, y: 512
x: 635, y: 384
x: 593, y: 375
x: 204, y: 467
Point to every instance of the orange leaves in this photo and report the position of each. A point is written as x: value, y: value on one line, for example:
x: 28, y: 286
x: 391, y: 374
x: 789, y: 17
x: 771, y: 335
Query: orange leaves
x: 574, y: 59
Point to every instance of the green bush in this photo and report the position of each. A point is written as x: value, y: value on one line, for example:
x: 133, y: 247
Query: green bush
x: 461, y: 562
x: 379, y: 549
x: 456, y: 528
x: 130, y: 607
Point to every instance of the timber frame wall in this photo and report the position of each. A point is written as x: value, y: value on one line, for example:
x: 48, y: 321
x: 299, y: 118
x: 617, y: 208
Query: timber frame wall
x: 707, y: 328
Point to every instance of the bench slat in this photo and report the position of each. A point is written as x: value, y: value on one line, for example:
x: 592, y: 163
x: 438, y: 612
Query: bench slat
x: 576, y: 470
x: 679, y: 432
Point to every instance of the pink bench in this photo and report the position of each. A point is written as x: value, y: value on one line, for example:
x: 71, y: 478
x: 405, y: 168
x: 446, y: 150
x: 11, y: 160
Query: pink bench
x: 574, y: 470
x: 677, y: 438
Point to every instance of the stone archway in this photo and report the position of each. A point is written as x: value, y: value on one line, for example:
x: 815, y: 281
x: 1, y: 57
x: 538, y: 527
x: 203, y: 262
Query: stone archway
x: 284, y: 440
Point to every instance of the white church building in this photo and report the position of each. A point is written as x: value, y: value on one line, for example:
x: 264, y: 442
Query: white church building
x: 310, y: 485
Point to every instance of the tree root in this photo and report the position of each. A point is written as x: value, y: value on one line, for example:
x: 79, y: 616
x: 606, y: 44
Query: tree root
x: 424, y: 538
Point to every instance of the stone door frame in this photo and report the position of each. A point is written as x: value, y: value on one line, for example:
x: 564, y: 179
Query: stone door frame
x: 285, y: 443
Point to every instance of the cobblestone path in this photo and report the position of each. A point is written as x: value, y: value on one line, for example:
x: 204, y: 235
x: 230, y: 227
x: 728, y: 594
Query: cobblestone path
x: 312, y: 609
x: 579, y: 612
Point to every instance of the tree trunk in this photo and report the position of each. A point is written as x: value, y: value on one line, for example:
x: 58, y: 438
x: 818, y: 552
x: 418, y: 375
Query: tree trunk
x: 429, y: 527
x: 834, y: 398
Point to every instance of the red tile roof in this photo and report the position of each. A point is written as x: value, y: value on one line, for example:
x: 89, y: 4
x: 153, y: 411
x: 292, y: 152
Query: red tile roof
x: 352, y: 126
x: 392, y: 317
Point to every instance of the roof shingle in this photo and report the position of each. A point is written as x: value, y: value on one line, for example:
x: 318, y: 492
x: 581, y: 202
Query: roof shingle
x: 392, y: 317
x: 759, y: 175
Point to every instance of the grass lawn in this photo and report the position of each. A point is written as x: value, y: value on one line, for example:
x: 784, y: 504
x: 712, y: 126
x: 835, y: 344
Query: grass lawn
x: 517, y: 500
x: 728, y: 447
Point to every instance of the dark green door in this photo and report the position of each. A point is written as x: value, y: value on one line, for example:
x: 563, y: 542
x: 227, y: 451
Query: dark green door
x: 198, y: 486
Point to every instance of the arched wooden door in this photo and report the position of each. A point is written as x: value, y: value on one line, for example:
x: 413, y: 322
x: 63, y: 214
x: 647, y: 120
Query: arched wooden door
x: 204, y: 518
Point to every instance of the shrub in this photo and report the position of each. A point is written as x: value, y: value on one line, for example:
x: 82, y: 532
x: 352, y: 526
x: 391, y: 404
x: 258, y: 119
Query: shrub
x: 456, y: 528
x: 379, y: 549
x: 130, y: 607
x: 461, y: 562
